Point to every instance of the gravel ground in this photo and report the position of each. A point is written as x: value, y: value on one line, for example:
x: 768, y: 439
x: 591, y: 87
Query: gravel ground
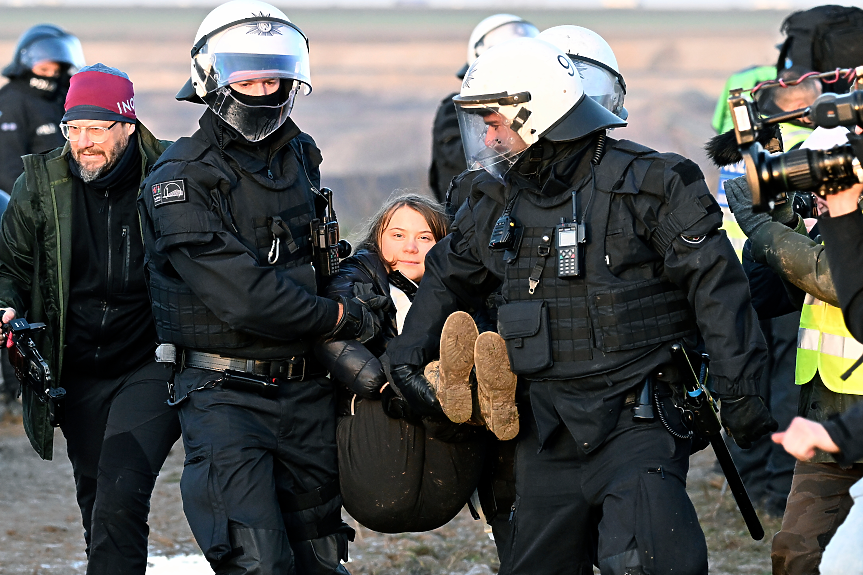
x: 41, y: 532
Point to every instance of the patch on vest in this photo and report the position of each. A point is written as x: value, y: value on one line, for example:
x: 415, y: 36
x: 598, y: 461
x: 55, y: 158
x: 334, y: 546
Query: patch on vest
x: 169, y: 192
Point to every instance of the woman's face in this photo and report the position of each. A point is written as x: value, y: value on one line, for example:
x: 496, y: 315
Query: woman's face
x: 405, y: 242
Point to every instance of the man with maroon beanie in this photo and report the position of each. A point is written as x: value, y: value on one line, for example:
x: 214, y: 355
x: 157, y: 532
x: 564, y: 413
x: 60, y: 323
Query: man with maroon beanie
x: 71, y: 256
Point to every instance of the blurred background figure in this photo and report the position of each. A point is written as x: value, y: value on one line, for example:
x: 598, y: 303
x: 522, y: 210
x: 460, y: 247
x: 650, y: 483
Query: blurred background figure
x: 447, y: 152
x: 596, y: 64
x: 31, y: 106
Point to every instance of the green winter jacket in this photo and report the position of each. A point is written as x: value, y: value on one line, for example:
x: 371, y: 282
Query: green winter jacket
x: 35, y: 258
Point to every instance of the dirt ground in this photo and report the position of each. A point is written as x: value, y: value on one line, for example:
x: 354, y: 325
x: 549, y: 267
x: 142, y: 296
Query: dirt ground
x: 378, y: 78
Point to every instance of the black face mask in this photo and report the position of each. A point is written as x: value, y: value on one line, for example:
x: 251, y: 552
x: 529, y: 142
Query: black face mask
x: 46, y: 86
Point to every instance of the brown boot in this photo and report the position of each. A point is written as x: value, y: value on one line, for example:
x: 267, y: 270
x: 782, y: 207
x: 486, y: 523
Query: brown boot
x: 495, y: 386
x: 457, y: 341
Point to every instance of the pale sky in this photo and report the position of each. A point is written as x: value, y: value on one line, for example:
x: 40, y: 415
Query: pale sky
x: 477, y: 4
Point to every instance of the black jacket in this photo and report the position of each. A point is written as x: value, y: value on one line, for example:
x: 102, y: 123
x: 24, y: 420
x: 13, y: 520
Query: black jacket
x: 350, y: 362
x: 659, y: 200
x: 448, y: 159
x: 29, y: 124
x: 210, y: 241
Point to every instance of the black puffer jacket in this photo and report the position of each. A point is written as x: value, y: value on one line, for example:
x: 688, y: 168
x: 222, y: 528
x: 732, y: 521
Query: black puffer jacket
x: 350, y: 362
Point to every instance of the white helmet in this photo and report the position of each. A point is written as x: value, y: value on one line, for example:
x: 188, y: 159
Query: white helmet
x: 494, y: 30
x: 595, y: 62
x: 248, y: 40
x: 517, y: 93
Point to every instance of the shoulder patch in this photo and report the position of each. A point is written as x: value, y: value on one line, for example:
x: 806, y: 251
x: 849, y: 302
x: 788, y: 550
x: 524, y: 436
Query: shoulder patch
x: 688, y: 171
x: 169, y: 192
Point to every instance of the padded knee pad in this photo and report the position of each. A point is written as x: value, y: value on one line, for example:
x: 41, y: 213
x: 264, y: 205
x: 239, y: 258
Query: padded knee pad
x: 257, y: 552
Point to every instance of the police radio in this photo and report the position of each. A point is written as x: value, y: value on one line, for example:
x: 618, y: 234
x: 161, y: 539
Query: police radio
x: 569, y: 239
x: 327, y: 248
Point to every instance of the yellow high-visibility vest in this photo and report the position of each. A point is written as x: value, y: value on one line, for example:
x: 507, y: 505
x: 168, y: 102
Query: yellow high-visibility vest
x: 824, y: 345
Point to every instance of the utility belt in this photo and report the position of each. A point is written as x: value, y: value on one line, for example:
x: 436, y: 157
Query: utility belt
x: 253, y: 375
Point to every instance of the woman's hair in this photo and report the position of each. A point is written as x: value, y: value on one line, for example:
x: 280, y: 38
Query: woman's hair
x: 432, y: 211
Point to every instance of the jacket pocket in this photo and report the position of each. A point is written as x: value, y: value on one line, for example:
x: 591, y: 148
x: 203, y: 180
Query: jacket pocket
x: 204, y: 505
x: 524, y: 326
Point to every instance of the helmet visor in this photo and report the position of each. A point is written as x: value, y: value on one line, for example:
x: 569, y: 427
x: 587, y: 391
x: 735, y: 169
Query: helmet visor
x: 254, y: 123
x: 65, y: 50
x: 490, y: 138
x: 253, y: 51
x: 601, y: 85
x: 503, y: 33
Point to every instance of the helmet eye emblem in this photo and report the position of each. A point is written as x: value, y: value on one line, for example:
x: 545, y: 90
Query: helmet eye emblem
x: 264, y: 28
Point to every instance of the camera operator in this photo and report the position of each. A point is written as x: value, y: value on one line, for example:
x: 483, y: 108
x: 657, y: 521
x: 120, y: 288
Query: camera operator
x: 819, y: 497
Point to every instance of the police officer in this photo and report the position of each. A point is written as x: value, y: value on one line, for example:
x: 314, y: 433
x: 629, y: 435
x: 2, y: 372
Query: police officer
x: 606, y: 253
x: 226, y: 216
x: 447, y: 153
x: 31, y: 104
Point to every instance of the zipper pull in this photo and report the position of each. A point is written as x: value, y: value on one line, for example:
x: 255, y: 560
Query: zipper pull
x: 269, y: 173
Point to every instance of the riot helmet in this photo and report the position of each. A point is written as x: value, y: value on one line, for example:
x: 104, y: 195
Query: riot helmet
x: 245, y: 40
x: 595, y: 62
x: 494, y: 30
x: 45, y: 42
x: 517, y: 93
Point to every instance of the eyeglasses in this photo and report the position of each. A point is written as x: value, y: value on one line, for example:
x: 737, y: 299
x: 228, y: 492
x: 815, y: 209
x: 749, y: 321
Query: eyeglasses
x: 96, y: 134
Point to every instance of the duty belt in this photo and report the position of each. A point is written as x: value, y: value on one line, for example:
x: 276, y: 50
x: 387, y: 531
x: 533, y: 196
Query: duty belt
x: 298, y: 368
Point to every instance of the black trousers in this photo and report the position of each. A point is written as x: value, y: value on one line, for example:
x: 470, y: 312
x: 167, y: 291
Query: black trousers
x: 118, y: 432
x: 623, y: 506
x: 260, y: 481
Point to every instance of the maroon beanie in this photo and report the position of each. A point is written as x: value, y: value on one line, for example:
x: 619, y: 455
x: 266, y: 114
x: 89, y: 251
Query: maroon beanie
x: 99, y: 92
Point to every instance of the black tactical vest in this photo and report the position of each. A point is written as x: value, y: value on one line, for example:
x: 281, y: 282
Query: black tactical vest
x: 595, y: 323
x: 272, y: 222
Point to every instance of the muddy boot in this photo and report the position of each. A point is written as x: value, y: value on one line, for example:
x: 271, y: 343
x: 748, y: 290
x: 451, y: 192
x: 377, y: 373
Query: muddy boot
x: 495, y: 386
x: 453, y: 387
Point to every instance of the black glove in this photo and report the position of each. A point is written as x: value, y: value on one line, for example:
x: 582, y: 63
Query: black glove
x: 416, y: 389
x: 351, y: 363
x: 360, y: 318
x: 746, y: 418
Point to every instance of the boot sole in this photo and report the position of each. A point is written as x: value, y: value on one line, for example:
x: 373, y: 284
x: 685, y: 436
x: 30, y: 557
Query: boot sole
x: 496, y: 386
x: 457, y: 341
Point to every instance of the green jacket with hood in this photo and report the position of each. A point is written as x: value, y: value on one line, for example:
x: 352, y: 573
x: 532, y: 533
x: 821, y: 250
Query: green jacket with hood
x: 35, y: 259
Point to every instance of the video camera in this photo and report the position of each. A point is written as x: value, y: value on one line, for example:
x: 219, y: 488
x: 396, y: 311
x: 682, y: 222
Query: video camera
x: 32, y: 370
x: 823, y: 171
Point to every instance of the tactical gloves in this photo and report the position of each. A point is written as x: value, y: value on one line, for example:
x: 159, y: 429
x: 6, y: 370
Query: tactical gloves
x: 745, y: 418
x: 360, y: 318
x: 416, y: 389
x: 740, y: 201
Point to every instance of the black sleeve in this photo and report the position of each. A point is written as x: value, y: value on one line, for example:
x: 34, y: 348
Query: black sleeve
x: 17, y: 249
x: 14, y: 143
x: 702, y: 262
x: 223, y: 272
x: 770, y: 295
x: 843, y: 243
x: 844, y: 430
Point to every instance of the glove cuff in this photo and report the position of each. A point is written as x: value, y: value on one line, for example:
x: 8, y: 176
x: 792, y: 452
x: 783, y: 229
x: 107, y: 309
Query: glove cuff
x: 350, y: 324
